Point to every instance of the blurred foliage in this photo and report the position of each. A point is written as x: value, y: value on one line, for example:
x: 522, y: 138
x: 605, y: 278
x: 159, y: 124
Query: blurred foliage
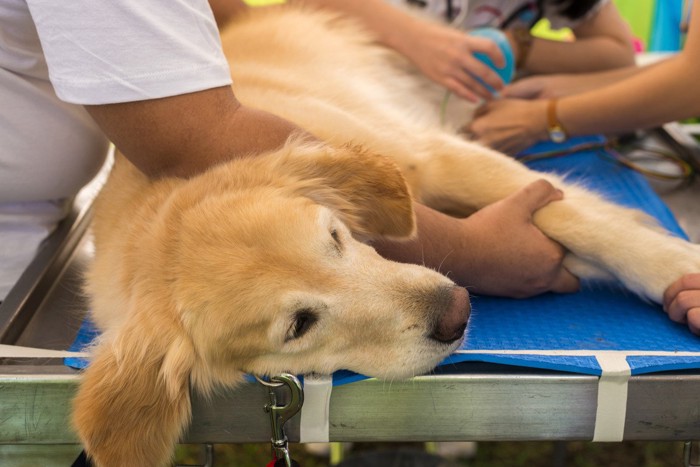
x: 489, y: 454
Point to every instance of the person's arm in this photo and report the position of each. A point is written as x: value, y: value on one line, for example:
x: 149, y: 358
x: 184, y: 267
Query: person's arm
x: 650, y: 97
x: 185, y: 134
x: 654, y: 96
x: 226, y: 10
x: 682, y: 301
x: 603, y: 41
x: 496, y: 251
x: 560, y: 85
x: 443, y: 54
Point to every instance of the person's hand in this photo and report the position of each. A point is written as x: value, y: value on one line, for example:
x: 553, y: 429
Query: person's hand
x: 509, y: 256
x: 546, y: 87
x: 495, y: 251
x: 445, y: 55
x: 682, y: 301
x: 509, y: 125
x: 535, y: 87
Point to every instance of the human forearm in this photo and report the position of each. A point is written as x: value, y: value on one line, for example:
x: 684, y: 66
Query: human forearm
x: 559, y: 85
x: 603, y: 41
x: 581, y: 55
x: 651, y: 97
x: 648, y: 98
x: 226, y: 10
x: 186, y: 134
x: 437, y: 251
x: 496, y: 251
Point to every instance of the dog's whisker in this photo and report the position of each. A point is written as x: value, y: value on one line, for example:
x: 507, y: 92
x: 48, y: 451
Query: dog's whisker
x: 443, y: 260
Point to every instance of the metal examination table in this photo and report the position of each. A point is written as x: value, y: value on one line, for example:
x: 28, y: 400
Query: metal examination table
x: 468, y: 401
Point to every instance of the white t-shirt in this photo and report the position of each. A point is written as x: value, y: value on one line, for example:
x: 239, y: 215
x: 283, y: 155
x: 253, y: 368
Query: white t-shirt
x: 98, y: 52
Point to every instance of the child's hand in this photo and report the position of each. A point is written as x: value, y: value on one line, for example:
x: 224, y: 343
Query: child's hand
x: 682, y: 301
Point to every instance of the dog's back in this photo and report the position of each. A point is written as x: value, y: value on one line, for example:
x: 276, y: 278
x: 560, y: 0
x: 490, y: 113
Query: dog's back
x: 322, y: 71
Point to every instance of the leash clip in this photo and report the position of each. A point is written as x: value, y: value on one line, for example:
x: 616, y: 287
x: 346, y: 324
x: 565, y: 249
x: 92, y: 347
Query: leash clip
x: 280, y: 414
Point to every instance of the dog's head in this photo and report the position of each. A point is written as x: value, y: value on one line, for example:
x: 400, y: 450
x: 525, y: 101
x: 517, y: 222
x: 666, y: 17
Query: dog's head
x: 261, y: 266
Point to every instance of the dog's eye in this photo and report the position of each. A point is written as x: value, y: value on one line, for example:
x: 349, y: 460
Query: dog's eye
x: 303, y: 321
x: 336, y: 237
x: 338, y: 245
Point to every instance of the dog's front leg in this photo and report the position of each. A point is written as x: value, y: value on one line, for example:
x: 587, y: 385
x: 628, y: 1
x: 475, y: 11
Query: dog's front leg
x: 459, y: 176
x: 625, y: 242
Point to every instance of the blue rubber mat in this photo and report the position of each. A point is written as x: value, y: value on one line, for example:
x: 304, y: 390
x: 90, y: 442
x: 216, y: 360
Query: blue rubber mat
x: 86, y: 335
x: 569, y: 332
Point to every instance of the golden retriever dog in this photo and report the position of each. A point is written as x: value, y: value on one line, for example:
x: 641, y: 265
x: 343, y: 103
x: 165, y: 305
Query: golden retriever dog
x: 259, y: 265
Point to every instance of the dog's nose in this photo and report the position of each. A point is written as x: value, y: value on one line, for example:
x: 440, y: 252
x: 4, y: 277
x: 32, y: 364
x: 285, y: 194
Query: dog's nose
x: 453, y: 321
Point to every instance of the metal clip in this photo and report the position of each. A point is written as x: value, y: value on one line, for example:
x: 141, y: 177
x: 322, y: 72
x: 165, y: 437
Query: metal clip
x: 279, y: 415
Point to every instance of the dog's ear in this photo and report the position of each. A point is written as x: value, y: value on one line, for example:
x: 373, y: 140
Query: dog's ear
x: 367, y: 190
x: 134, y: 402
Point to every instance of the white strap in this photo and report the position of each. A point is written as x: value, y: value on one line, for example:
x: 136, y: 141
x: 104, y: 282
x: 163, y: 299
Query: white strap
x: 15, y: 351
x: 611, y: 410
x: 315, y: 413
x: 612, y: 397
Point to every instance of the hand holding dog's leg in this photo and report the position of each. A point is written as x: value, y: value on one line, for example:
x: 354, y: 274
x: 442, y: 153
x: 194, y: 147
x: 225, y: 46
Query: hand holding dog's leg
x: 497, y: 251
x: 682, y: 301
x: 512, y: 256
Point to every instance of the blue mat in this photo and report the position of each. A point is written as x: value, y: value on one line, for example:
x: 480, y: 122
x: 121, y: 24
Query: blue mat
x: 602, y: 317
x: 568, y: 332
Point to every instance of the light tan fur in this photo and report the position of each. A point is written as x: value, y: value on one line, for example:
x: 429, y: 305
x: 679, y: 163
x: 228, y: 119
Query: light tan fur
x: 196, y: 282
